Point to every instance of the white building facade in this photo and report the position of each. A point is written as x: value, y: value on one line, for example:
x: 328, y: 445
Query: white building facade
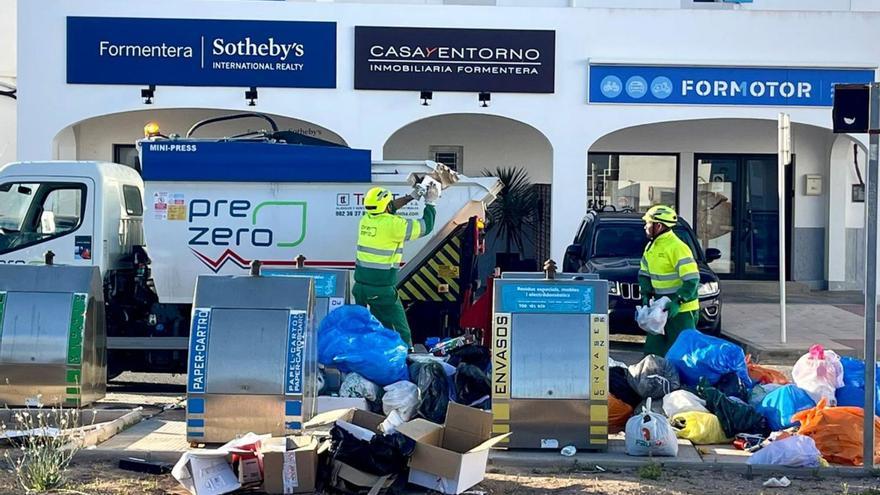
x: 669, y: 101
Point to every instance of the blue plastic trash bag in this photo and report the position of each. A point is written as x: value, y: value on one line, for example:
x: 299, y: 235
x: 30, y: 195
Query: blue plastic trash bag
x: 353, y: 341
x: 794, y: 451
x: 852, y: 393
x: 781, y: 404
x: 696, y: 355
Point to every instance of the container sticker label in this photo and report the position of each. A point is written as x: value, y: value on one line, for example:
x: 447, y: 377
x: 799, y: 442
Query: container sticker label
x: 336, y: 302
x: 501, y: 356
x: 176, y: 207
x: 82, y: 247
x: 77, y: 325
x: 296, y: 345
x: 546, y: 298
x: 549, y: 443
x: 160, y: 205
x: 199, y: 335
x: 599, y: 357
x: 325, y: 283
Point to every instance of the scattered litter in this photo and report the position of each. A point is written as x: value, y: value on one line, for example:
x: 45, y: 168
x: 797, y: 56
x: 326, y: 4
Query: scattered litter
x: 569, y: 451
x: 783, y: 482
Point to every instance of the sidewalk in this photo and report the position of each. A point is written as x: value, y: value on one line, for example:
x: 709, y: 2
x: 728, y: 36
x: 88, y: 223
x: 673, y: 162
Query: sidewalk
x: 750, y: 317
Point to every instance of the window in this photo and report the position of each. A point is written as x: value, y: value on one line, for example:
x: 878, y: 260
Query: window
x: 134, y: 205
x: 451, y: 156
x: 33, y: 213
x: 126, y: 154
x: 631, y: 182
x: 628, y: 240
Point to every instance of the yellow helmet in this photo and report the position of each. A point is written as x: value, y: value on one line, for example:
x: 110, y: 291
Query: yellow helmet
x: 661, y: 214
x: 377, y: 199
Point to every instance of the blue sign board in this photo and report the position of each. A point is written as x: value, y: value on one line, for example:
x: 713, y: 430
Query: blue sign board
x: 325, y: 283
x: 440, y: 59
x: 250, y: 161
x: 546, y: 298
x: 676, y: 85
x: 296, y: 345
x: 200, y: 52
x: 199, y: 333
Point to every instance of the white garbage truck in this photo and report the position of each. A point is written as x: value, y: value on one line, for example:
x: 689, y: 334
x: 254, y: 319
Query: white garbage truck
x: 212, y: 206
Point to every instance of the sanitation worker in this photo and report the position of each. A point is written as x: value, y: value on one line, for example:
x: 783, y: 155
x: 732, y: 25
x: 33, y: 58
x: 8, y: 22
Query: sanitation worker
x: 668, y: 269
x: 380, y: 251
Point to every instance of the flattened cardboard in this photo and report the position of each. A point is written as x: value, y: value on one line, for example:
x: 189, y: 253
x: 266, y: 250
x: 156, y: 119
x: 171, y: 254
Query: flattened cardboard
x: 363, y: 419
x: 326, y: 403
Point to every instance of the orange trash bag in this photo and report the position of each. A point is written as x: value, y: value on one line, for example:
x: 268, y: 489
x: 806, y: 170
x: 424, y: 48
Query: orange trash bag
x: 619, y: 413
x: 764, y: 375
x: 837, y: 432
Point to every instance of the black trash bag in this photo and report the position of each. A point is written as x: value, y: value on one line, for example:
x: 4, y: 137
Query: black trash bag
x: 732, y: 385
x: 618, y: 379
x: 383, y: 454
x: 471, y: 384
x: 434, y: 389
x: 735, y: 417
x: 653, y: 377
x: 472, y: 354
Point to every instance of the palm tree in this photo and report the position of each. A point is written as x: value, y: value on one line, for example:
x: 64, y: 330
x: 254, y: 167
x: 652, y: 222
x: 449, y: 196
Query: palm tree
x: 512, y: 214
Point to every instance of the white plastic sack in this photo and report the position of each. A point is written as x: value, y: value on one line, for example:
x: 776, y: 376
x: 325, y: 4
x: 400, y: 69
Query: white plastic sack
x: 794, y: 451
x: 652, y: 318
x: 819, y: 373
x: 650, y: 434
x: 682, y: 401
x: 358, y: 387
x: 402, y: 397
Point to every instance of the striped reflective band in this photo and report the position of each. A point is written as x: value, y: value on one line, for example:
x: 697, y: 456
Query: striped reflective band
x: 375, y: 266
x: 666, y: 278
x: 666, y: 292
x: 409, y: 230
x: 691, y: 276
x: 682, y: 262
x: 377, y: 252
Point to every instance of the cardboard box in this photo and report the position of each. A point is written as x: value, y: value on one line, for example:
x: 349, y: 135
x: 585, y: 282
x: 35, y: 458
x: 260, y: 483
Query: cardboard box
x: 358, y: 478
x: 364, y: 419
x: 451, y: 458
x: 290, y: 465
x: 326, y: 403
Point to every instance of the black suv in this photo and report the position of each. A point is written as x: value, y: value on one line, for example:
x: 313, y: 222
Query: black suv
x: 611, y: 244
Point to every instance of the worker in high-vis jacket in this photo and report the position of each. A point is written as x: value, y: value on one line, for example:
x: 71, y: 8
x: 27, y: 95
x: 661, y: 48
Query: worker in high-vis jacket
x: 380, y: 251
x: 668, y: 269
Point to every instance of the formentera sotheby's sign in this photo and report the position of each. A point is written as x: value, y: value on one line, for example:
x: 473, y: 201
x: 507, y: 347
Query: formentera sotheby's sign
x: 201, y: 52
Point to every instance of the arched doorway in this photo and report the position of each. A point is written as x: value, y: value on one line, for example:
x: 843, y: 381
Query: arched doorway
x: 112, y: 137
x: 722, y: 176
x: 476, y: 145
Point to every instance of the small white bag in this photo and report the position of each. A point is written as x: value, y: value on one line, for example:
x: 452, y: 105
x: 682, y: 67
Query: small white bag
x: 650, y: 434
x: 681, y: 401
x: 652, y: 318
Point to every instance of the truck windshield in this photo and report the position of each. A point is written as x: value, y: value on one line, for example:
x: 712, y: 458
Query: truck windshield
x: 628, y: 240
x: 32, y: 212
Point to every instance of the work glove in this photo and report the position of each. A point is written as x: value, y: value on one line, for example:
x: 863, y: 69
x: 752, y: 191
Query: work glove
x: 672, y: 307
x: 432, y: 194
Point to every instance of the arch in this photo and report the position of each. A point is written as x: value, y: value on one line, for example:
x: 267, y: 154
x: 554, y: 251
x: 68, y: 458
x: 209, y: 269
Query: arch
x: 93, y: 138
x: 485, y: 142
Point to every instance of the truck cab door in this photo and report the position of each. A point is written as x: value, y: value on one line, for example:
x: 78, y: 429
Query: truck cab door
x: 39, y: 214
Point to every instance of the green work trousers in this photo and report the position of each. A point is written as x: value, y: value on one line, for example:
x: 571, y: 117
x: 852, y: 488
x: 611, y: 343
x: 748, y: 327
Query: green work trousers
x: 385, y: 305
x: 659, y: 344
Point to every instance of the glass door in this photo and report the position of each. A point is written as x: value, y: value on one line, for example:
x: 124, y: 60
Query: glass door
x: 737, y: 212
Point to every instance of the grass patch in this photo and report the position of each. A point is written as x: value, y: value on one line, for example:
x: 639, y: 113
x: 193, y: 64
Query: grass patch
x: 651, y: 471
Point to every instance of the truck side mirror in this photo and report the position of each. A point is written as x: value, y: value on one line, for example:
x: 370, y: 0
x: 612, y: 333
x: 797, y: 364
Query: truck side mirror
x: 574, y: 251
x: 713, y: 254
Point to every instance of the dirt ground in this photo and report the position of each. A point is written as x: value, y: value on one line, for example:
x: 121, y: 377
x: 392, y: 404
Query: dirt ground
x: 105, y: 479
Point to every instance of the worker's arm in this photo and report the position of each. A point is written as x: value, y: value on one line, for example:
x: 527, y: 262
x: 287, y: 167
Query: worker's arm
x: 689, y: 273
x: 400, y: 203
x: 422, y: 227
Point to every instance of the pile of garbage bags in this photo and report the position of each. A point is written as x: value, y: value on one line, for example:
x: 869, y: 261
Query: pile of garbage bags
x: 377, y: 367
x: 707, y: 391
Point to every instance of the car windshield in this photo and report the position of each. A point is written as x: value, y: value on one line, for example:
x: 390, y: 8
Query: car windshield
x: 628, y: 240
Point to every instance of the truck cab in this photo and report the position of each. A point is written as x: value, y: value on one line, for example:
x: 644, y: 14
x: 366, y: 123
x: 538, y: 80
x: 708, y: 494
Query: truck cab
x: 86, y: 213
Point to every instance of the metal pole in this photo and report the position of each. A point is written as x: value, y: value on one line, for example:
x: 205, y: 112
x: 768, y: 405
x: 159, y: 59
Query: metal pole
x: 782, y: 161
x: 871, y: 277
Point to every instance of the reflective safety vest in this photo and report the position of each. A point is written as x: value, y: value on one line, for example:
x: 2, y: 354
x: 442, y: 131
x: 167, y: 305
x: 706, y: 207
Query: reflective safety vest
x: 381, y: 238
x: 669, y: 262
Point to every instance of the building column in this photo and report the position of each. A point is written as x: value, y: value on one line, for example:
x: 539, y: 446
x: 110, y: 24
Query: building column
x: 568, y: 191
